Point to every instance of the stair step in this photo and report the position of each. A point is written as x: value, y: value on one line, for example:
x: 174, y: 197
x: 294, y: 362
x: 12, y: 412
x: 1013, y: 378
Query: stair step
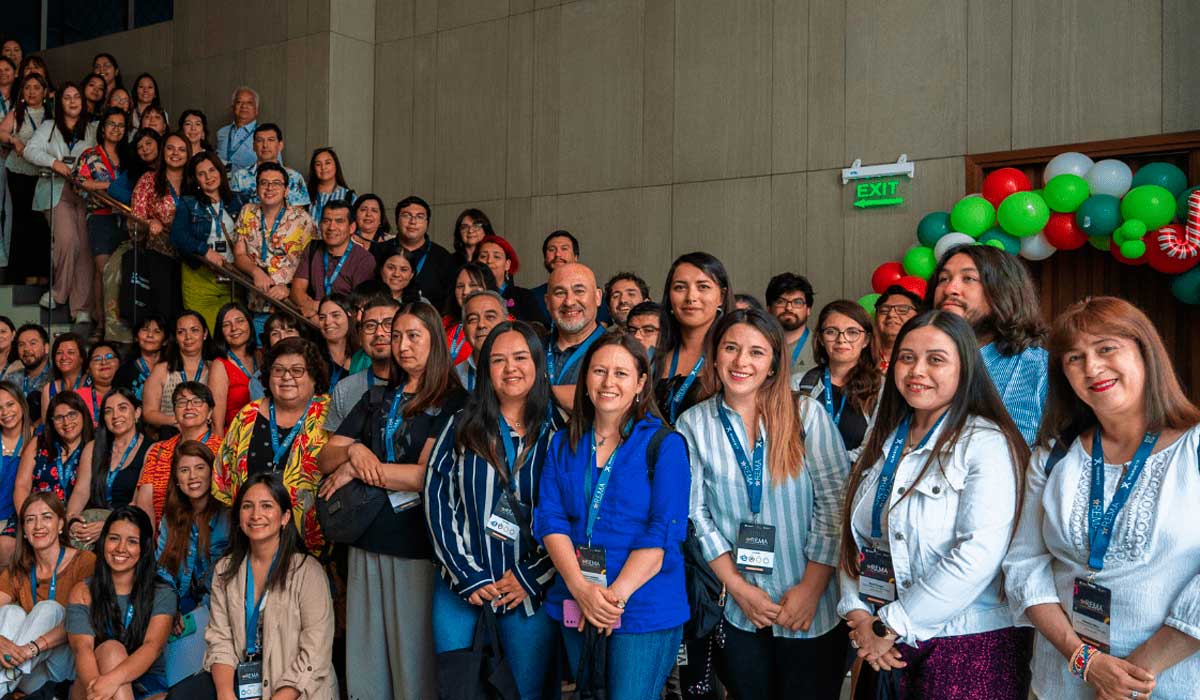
x: 26, y: 294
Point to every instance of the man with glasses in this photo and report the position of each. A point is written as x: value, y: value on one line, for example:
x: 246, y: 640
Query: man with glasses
x: 375, y: 338
x: 892, y: 310
x: 433, y: 266
x: 790, y: 299
x: 268, y: 145
x: 644, y: 322
x: 235, y: 140
x: 270, y: 238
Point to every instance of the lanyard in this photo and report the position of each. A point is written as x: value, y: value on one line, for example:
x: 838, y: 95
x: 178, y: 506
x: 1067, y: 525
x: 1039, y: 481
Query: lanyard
x: 262, y: 252
x: 424, y: 255
x: 395, y: 419
x: 675, y: 399
x: 1100, y: 521
x: 836, y: 415
x: 25, y: 383
x: 285, y: 446
x: 95, y: 408
x: 112, y: 173
x: 752, y: 468
x: 335, y: 375
x: 16, y: 453
x: 470, y: 378
x: 330, y: 278
x: 457, y: 341
x: 799, y: 346
x: 888, y: 474
x: 230, y: 146
x: 234, y: 359
x: 510, y: 449
x: 114, y: 471
x: 143, y: 369
x: 254, y: 611
x: 53, y: 577
x: 196, y: 378
x: 574, y: 358
x: 66, y: 472
x: 596, y: 496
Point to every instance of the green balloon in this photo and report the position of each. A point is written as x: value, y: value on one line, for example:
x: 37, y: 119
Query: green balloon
x: 1131, y: 230
x: 1099, y: 216
x: 1100, y: 242
x: 1066, y: 192
x: 933, y: 226
x: 1181, y: 204
x: 1133, y: 249
x: 1023, y: 214
x: 867, y: 301
x: 996, y: 237
x: 1153, y: 205
x: 972, y: 216
x: 920, y: 261
x: 1165, y: 175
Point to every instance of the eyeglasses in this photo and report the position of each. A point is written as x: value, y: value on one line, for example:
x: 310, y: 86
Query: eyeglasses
x: 475, y: 226
x: 850, y: 334
x: 797, y: 303
x: 406, y: 216
x: 106, y: 357
x: 114, y: 125
x: 64, y: 418
x: 372, y: 327
x: 272, y: 184
x: 898, y: 309
x: 639, y: 331
x: 190, y: 402
x: 295, y: 371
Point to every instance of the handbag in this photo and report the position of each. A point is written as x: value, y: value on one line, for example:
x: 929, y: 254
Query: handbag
x: 347, y: 514
x: 591, y: 678
x: 478, y: 673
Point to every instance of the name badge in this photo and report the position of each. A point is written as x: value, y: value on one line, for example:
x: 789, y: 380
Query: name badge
x: 248, y: 679
x: 68, y: 160
x: 755, y: 548
x: 403, y: 500
x: 877, y: 577
x: 502, y: 524
x: 1092, y: 613
x: 591, y: 563
x: 220, y: 246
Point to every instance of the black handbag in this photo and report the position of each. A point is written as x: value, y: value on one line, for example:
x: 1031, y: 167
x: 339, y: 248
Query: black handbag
x: 478, y: 673
x: 347, y: 514
x: 591, y: 678
x: 705, y: 592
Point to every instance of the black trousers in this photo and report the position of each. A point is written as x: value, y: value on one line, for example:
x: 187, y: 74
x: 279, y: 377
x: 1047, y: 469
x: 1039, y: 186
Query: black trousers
x: 29, y: 254
x: 760, y: 666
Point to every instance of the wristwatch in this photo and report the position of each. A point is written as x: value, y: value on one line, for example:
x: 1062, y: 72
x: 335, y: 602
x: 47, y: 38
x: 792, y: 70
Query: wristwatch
x: 881, y: 630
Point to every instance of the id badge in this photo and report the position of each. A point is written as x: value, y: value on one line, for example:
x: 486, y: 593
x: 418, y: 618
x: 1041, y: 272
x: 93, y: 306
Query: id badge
x: 403, y: 500
x: 248, y: 679
x: 591, y: 564
x: 1092, y: 613
x: 502, y: 524
x: 877, y: 577
x: 755, y: 548
x: 68, y: 160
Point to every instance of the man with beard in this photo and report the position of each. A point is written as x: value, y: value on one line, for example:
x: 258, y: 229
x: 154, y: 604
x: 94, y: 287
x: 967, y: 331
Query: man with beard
x: 790, y: 299
x: 31, y: 371
x: 482, y: 311
x: 375, y: 338
x: 992, y: 290
x: 892, y: 310
x: 574, y: 301
x: 623, y: 292
x: 559, y: 248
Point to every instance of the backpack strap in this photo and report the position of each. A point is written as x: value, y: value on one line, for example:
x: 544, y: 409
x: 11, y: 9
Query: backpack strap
x: 1061, y: 447
x: 652, y: 449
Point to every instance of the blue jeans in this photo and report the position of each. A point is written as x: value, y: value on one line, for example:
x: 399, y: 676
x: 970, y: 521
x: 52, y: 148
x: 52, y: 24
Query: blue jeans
x: 528, y: 640
x: 638, y: 664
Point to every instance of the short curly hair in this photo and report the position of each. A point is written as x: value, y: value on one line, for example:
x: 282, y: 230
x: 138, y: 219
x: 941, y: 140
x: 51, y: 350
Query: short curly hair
x: 313, y: 363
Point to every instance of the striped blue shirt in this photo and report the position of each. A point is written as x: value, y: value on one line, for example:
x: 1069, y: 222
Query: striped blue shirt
x: 806, y: 510
x: 461, y: 488
x: 1022, y: 381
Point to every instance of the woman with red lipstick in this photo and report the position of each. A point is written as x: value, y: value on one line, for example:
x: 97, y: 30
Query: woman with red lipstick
x: 1108, y: 520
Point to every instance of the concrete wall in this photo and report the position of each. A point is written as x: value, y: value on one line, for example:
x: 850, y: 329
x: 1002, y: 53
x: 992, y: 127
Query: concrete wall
x: 655, y: 127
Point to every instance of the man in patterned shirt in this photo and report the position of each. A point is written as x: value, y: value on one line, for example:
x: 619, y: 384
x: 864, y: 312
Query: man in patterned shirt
x: 268, y: 144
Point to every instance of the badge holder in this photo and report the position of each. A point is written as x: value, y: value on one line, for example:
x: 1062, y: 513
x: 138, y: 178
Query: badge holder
x: 877, y: 577
x: 1091, y: 616
x: 248, y: 679
x: 755, y: 549
x: 502, y: 524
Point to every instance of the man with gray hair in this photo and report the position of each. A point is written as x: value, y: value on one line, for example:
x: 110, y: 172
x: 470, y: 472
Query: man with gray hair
x: 235, y: 141
x: 483, y: 310
x: 573, y: 298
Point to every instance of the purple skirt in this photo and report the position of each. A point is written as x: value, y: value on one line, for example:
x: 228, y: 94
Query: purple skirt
x: 987, y: 666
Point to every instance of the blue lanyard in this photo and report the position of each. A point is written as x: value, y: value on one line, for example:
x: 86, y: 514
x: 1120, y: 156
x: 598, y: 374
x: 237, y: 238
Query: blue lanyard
x: 253, y: 611
x: 1100, y: 521
x: 752, y: 468
x: 470, y: 378
x: 576, y: 355
x: 395, y: 419
x: 510, y: 449
x: 234, y: 359
x: 370, y: 377
x: 330, y: 278
x: 336, y: 375
x: 262, y: 252
x: 456, y: 343
x: 799, y: 346
x: 143, y: 369
x: 25, y: 387
x: 424, y: 255
x: 114, y: 471
x: 285, y: 446
x: 888, y: 474
x: 230, y: 147
x: 675, y: 399
x: 53, y: 577
x: 66, y: 472
x: 596, y: 496
x: 16, y: 455
x: 199, y: 372
x: 836, y: 415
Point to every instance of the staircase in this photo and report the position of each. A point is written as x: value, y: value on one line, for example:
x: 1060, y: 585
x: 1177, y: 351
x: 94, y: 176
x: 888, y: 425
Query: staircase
x: 20, y: 303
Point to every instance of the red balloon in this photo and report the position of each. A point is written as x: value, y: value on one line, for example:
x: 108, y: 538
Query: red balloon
x: 886, y: 275
x: 1003, y: 182
x: 1063, y: 233
x: 1116, y: 253
x: 916, y: 285
x: 1171, y: 250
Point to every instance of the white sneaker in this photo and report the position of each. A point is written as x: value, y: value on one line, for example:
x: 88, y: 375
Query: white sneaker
x: 47, y: 301
x: 82, y: 317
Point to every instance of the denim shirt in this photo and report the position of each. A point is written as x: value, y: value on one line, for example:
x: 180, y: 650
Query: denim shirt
x: 193, y: 222
x: 196, y: 569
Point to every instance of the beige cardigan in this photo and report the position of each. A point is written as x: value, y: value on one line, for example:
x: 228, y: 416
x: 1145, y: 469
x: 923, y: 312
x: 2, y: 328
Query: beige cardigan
x: 297, y: 626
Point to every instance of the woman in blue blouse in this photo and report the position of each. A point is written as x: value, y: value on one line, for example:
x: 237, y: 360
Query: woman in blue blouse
x: 627, y: 518
x: 480, y: 490
x: 147, y: 148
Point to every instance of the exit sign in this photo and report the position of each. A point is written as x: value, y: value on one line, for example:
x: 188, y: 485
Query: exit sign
x: 881, y: 192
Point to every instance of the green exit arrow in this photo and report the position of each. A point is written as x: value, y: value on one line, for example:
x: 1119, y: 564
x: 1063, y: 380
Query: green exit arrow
x: 889, y: 201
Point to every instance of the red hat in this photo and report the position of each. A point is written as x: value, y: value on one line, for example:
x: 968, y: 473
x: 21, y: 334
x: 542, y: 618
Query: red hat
x: 514, y: 261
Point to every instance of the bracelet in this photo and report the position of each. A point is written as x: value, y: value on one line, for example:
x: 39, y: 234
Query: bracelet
x: 1081, y: 660
x: 36, y: 646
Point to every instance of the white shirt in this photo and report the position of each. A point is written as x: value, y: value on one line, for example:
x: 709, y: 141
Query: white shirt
x: 1152, y: 565
x: 947, y: 538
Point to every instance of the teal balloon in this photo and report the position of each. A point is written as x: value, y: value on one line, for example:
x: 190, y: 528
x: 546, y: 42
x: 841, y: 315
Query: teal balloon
x: 867, y: 301
x: 1023, y: 214
x: 972, y: 216
x: 1186, y: 287
x: 1152, y: 204
x: 933, y: 226
x: 996, y: 236
x: 1099, y: 216
x: 1164, y: 175
x: 920, y: 261
x: 1066, y: 192
x: 1181, y: 203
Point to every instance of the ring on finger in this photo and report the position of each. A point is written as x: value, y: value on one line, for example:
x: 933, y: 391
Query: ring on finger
x: 854, y: 644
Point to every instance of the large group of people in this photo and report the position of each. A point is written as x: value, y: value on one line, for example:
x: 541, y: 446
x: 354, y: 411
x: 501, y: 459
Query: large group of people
x: 306, y: 452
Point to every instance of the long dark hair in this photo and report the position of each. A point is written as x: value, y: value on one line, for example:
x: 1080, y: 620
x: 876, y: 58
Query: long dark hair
x: 476, y: 215
x: 50, y: 440
x: 156, y: 102
x: 102, y: 448
x: 178, y: 516
x: 439, y: 380
x: 290, y: 543
x: 204, y: 142
x: 479, y: 421
x: 106, y: 616
x: 191, y: 184
x: 479, y: 273
x: 11, y: 357
x: 22, y: 562
x: 975, y: 396
x: 338, y: 178
x: 105, y: 113
x: 1015, y: 322
x: 584, y: 412
x: 864, y: 380
x: 220, y: 346
x: 173, y: 356
x: 160, y: 173
x: 670, y: 335
x: 17, y: 395
x: 79, y: 131
x: 96, y: 107
x: 68, y: 337
x: 385, y: 228
x: 19, y: 98
x: 132, y: 162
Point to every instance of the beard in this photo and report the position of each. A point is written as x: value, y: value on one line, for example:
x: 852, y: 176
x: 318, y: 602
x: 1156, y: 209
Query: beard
x: 572, y: 326
x: 790, y: 321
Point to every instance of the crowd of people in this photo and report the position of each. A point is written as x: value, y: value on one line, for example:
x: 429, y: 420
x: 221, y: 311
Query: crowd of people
x: 380, y: 455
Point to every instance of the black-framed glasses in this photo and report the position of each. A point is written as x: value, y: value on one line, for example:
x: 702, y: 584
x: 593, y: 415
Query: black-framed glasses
x: 64, y: 418
x: 797, y: 303
x: 898, y: 309
x: 372, y: 327
x: 295, y: 371
x: 850, y: 334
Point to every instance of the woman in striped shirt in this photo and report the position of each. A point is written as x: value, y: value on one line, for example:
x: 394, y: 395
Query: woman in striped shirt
x: 479, y: 494
x: 768, y: 471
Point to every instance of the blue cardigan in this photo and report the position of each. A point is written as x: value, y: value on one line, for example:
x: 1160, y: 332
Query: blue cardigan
x: 193, y: 221
x: 635, y: 514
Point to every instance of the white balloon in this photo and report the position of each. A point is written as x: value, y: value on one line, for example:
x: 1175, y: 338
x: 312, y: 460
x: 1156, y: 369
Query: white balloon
x: 950, y: 240
x: 1069, y: 162
x: 1036, y: 247
x: 1109, y: 176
